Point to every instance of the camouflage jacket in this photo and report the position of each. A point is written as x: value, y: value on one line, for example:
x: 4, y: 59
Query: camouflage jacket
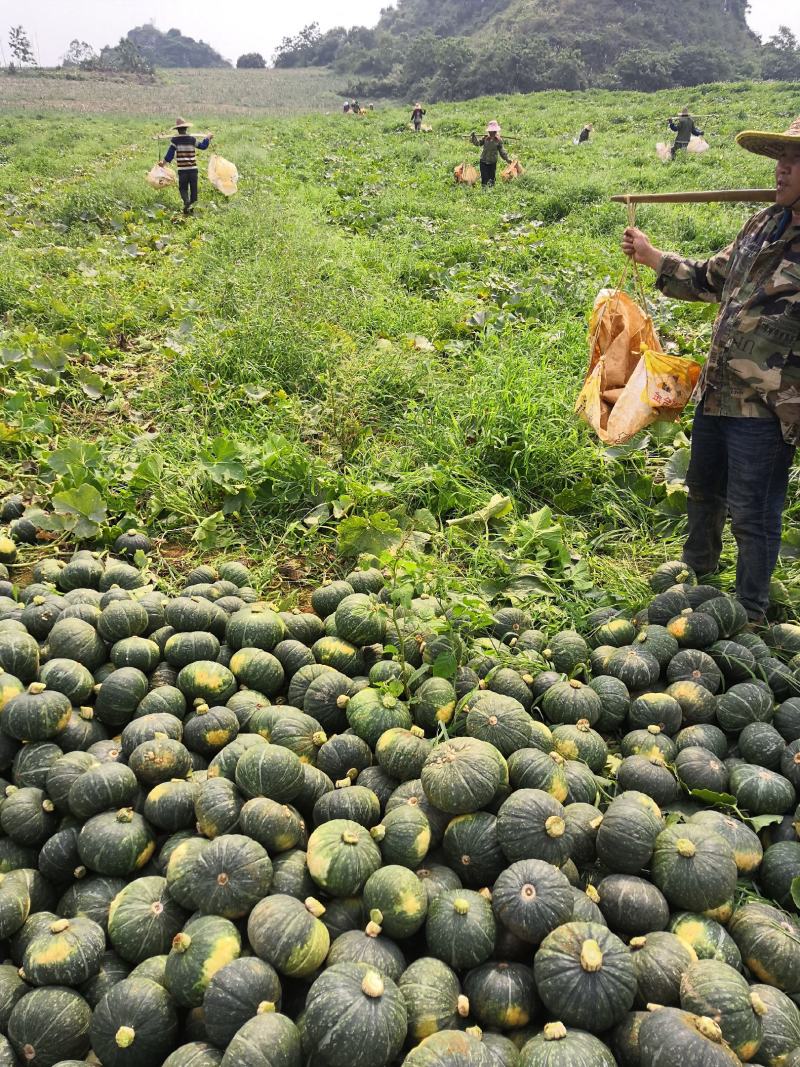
x: 753, y: 367
x: 492, y: 148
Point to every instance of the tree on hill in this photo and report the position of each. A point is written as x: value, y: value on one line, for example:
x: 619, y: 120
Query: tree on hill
x: 78, y: 54
x: 124, y: 57
x: 173, y: 49
x: 781, y: 56
x: 19, y: 44
x: 251, y: 61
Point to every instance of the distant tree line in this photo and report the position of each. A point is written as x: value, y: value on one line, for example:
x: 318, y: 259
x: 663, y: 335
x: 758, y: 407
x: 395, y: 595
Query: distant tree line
x: 392, y: 61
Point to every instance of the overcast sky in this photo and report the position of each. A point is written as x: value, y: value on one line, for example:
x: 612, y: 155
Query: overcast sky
x: 235, y: 26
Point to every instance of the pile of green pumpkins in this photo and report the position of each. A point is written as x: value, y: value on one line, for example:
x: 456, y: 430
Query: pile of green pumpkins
x: 378, y: 832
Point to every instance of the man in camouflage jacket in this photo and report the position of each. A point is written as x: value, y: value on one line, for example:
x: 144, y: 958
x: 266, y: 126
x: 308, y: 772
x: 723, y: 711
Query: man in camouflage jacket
x: 747, y: 422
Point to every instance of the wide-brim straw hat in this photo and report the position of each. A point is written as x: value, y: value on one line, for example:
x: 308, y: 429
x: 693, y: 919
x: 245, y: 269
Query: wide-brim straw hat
x: 773, y: 145
x: 493, y: 127
x: 181, y: 124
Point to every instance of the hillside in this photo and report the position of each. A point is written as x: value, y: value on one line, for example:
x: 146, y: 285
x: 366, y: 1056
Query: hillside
x: 455, y: 49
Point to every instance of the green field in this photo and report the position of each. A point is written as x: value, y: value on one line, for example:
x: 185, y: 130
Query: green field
x: 353, y: 350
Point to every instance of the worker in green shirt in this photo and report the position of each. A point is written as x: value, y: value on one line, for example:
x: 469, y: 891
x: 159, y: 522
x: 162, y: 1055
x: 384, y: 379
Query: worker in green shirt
x: 492, y: 147
x: 684, y: 128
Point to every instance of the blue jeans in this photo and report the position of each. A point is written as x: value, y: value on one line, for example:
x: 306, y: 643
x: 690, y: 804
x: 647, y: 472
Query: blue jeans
x: 739, y: 467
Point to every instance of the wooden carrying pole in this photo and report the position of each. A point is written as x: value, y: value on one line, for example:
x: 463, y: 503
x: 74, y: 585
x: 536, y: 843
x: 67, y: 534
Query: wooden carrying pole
x: 702, y: 196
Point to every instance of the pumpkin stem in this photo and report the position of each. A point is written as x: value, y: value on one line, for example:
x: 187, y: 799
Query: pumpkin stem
x: 348, y: 837
x: 463, y: 1006
x: 555, y: 826
x: 655, y: 1007
x: 555, y: 1032
x: 708, y: 1028
x: 28, y: 1051
x: 758, y: 1005
x: 556, y: 757
x: 486, y: 893
x: 343, y: 783
x: 314, y: 907
x: 181, y: 942
x: 592, y: 894
x: 638, y: 942
x: 574, y: 683
x: 377, y: 833
x: 685, y: 847
x: 417, y: 731
x: 342, y: 701
x: 595, y: 823
x: 266, y: 1007
x: 36, y: 687
x: 87, y: 714
x: 461, y: 906
x: 319, y: 737
x: 374, y: 927
x: 372, y: 985
x: 528, y: 891
x: 59, y: 926
x: 125, y: 815
x: 48, y: 806
x: 475, y: 1031
x: 125, y: 1036
x: 591, y: 956
x: 654, y: 729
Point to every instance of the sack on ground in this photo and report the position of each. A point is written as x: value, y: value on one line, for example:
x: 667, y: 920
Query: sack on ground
x: 664, y: 152
x: 466, y: 174
x: 223, y: 175
x: 631, y: 382
x: 512, y: 171
x: 159, y: 176
x: 697, y: 145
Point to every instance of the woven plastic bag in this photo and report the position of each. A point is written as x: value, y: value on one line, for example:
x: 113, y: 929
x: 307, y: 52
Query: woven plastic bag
x: 466, y: 174
x: 697, y: 145
x: 631, y: 383
x: 664, y: 152
x: 161, y: 176
x: 513, y: 171
x: 223, y: 175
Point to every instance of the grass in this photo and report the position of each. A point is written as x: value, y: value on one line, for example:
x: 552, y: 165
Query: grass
x: 174, y: 91
x: 353, y: 350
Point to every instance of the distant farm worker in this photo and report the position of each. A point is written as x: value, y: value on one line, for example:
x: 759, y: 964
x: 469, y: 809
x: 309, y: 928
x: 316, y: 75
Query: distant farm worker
x: 183, y: 148
x: 585, y: 133
x: 492, y: 145
x: 346, y: 108
x: 417, y: 116
x: 685, y: 129
x: 356, y: 107
x: 747, y: 421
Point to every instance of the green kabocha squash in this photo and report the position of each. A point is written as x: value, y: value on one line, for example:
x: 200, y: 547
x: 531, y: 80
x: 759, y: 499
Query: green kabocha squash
x: 567, y: 651
x: 402, y: 753
x: 670, y: 1037
x: 217, y: 807
x: 160, y: 760
x: 737, y: 663
x: 584, y: 973
x: 698, y: 704
x: 693, y: 629
x: 649, y: 743
x: 762, y: 744
x: 143, y: 919
x: 327, y: 598
x: 648, y: 775
x: 665, y: 606
x: 333, y: 651
x: 616, y: 632
x: 404, y: 835
x: 627, y: 835
x: 371, y: 713
x: 12, y: 989
x: 269, y: 771
x: 706, y: 938
x: 204, y: 946
x: 287, y: 933
x: 742, y: 704
x: 632, y: 905
x: 230, y: 876
x: 207, y: 680
x: 655, y: 709
x: 278, y: 827
x: 694, y: 867
x: 462, y: 775
x: 194, y: 1054
x: 187, y: 647
x: 694, y: 665
x: 355, y: 1016
x: 615, y: 701
x: 116, y: 843
x: 501, y: 995
x: 366, y: 579
x: 90, y: 896
x: 531, y: 768
x: 472, y: 848
x: 571, y: 702
x: 169, y: 806
x: 290, y: 876
x: 342, y: 755
x: 19, y: 654
x: 531, y: 824
x: 49, y: 1024
x: 433, y: 998
x: 67, y: 677
x: 360, y: 619
x: 503, y: 1050
x: 558, y: 1046
x: 436, y: 879
x: 460, y: 928
x: 531, y: 898
x: 760, y: 791
x: 343, y: 914
x: 370, y: 947
x: 713, y: 989
x: 747, y: 849
x: 134, y: 1025
x: 37, y: 714
x: 450, y: 1049
x: 697, y: 768
x: 239, y: 991
x: 582, y: 823
x: 780, y: 868
x: 100, y: 787
x: 786, y: 720
x: 500, y: 720
x: 767, y: 939
x: 703, y: 735
x: 139, y: 652
x: 64, y: 952
x: 660, y: 959
x: 780, y: 1025
x: 673, y: 572
x: 341, y: 856
x: 268, y: 1040
x: 396, y: 893
x: 634, y: 666
x: 581, y: 742
x: 729, y: 614
x: 112, y: 970
x: 207, y: 730
x: 28, y: 817
x: 257, y: 669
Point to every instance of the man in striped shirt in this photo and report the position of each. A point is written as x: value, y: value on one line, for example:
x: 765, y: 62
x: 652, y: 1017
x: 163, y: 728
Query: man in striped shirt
x: 183, y: 148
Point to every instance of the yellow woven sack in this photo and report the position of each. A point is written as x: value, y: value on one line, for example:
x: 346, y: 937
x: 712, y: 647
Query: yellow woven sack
x: 466, y: 174
x: 223, y: 175
x: 513, y: 171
